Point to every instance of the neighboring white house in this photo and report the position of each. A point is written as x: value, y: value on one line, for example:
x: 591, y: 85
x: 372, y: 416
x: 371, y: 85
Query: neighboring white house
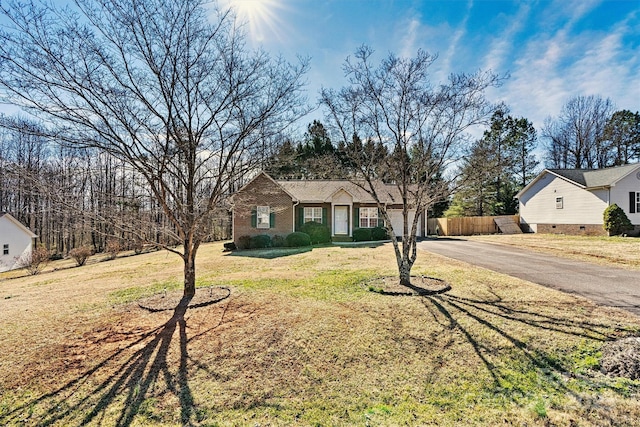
x: 572, y: 201
x: 16, y: 242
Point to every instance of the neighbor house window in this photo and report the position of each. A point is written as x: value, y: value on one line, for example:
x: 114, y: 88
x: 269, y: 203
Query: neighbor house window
x: 637, y: 202
x: 313, y: 214
x: 262, y: 217
x: 5, y: 249
x: 559, y: 203
x: 368, y: 217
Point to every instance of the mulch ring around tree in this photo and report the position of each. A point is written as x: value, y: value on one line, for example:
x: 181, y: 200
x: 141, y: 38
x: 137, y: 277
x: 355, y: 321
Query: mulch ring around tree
x: 171, y: 300
x: 420, y: 286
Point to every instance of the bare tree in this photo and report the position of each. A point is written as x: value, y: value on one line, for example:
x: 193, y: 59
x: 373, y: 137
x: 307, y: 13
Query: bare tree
x: 576, y: 138
x: 424, y: 127
x: 167, y: 86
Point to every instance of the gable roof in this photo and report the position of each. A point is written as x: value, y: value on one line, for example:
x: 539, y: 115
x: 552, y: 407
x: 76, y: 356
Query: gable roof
x: 322, y: 191
x: 588, y: 179
x: 596, y: 178
x: 18, y: 224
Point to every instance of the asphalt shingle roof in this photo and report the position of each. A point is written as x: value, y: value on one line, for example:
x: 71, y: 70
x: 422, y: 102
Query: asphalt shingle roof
x: 318, y: 191
x: 591, y: 178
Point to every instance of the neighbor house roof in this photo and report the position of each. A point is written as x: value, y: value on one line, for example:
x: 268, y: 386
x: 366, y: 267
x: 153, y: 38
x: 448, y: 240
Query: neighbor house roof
x: 321, y: 191
x: 588, y: 178
x: 596, y: 178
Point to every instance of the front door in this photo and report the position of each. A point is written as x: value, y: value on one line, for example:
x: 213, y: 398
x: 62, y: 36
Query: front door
x: 341, y: 220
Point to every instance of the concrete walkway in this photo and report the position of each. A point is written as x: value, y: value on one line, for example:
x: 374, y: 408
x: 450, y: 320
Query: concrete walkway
x: 609, y: 286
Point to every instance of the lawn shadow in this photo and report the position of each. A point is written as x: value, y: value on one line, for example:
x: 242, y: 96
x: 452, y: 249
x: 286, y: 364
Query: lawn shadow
x: 490, y: 325
x: 125, y: 392
x: 269, y: 253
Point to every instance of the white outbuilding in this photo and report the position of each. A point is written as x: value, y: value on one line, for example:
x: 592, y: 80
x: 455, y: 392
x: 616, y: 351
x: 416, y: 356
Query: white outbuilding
x: 16, y: 242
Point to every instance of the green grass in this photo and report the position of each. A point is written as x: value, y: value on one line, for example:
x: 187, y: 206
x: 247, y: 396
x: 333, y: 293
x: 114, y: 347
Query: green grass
x: 303, y: 341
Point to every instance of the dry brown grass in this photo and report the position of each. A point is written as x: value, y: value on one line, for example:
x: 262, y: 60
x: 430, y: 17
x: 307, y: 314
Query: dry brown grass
x: 302, y: 342
x: 621, y: 252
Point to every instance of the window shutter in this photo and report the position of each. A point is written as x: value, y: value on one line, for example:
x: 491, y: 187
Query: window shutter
x: 300, y: 217
x: 632, y: 202
x: 380, y: 218
x: 324, y: 216
x: 254, y: 217
x: 356, y: 217
x: 272, y: 220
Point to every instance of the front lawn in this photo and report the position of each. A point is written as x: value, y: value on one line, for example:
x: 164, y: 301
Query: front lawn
x: 302, y: 341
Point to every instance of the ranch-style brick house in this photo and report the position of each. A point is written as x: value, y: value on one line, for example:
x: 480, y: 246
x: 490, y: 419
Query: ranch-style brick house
x: 572, y: 201
x: 16, y: 242
x: 280, y: 207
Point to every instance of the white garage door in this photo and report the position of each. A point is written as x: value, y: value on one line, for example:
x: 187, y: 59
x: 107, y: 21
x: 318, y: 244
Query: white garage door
x: 396, y: 222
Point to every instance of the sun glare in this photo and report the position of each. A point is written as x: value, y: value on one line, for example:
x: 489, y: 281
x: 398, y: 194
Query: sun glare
x: 261, y: 17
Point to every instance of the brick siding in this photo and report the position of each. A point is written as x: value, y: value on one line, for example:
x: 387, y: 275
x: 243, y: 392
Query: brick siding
x: 572, y: 229
x: 262, y: 191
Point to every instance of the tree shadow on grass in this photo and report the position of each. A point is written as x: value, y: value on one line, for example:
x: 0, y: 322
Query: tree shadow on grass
x: 493, y: 326
x: 120, y: 397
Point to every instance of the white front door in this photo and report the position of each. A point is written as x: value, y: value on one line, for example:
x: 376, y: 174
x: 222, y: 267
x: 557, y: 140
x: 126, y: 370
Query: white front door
x: 341, y: 220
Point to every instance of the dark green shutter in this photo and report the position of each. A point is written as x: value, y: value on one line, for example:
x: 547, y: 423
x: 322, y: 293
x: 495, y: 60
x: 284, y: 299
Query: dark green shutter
x: 324, y: 216
x: 356, y: 217
x: 272, y: 220
x: 254, y: 217
x: 632, y: 202
x: 300, y: 217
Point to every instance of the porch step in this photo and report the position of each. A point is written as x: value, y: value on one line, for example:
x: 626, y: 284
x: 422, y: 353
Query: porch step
x: 341, y: 239
x: 507, y: 225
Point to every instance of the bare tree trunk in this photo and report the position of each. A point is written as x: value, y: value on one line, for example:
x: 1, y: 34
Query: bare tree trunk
x: 189, y: 272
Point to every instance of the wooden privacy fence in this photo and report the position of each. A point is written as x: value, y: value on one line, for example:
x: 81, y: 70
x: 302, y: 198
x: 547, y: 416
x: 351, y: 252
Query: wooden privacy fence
x: 465, y: 226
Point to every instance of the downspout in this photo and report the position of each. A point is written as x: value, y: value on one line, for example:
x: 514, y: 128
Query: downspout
x: 294, y: 215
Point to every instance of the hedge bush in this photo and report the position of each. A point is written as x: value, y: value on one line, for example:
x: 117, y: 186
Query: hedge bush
x: 615, y: 220
x: 298, y: 239
x: 278, y: 241
x: 361, y: 235
x: 317, y: 232
x: 379, y: 233
x: 243, y: 242
x: 260, y: 241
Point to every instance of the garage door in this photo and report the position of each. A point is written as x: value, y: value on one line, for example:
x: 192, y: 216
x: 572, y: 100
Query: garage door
x: 397, y: 223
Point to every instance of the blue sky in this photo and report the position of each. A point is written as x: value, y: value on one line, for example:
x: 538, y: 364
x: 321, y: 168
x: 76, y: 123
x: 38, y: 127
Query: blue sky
x: 552, y: 50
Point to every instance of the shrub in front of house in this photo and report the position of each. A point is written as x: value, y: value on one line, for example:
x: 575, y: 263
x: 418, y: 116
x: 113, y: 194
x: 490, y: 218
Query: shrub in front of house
x: 260, y: 241
x: 361, y: 235
x: 278, y: 241
x: 243, y: 242
x: 298, y: 239
x: 379, y: 233
x: 317, y: 232
x: 615, y: 221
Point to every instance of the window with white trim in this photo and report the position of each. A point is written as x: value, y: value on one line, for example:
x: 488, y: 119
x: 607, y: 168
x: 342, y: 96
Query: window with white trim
x: 637, y: 202
x: 313, y: 214
x: 559, y: 203
x: 262, y: 217
x: 368, y: 217
x: 5, y: 249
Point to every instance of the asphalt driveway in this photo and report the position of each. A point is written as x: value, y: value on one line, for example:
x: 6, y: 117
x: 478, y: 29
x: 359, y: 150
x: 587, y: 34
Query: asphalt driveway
x: 609, y: 286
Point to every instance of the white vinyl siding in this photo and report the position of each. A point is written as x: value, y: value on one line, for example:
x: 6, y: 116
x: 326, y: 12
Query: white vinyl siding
x: 313, y: 214
x: 620, y: 196
x: 539, y: 204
